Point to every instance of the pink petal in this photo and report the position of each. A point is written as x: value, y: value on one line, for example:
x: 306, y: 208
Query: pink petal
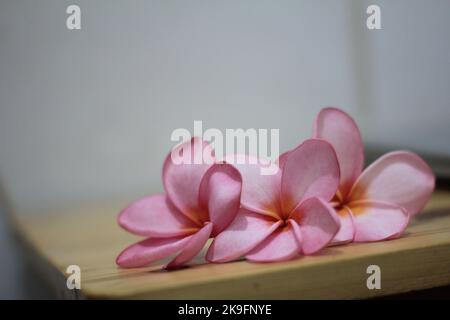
x: 318, y: 222
x: 297, y: 232
x: 282, y: 159
x: 182, y: 180
x: 399, y: 177
x: 310, y: 170
x: 155, y: 216
x: 346, y: 232
x: 378, y: 221
x: 338, y: 128
x: 220, y: 192
x: 246, y: 231
x: 192, y: 248
x: 149, y: 250
x: 281, y: 245
x: 260, y: 193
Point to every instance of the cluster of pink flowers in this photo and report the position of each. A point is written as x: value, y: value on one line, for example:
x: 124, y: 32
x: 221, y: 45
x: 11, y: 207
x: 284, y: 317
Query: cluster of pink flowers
x: 320, y: 196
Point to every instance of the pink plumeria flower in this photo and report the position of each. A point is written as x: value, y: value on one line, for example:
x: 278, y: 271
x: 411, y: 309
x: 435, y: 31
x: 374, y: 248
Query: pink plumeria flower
x: 283, y: 214
x: 200, y: 201
x: 377, y: 203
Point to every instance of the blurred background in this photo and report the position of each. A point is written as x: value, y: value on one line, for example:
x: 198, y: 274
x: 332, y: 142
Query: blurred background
x: 86, y: 115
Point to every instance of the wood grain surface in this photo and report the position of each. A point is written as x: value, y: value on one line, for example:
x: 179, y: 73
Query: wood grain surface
x: 90, y: 238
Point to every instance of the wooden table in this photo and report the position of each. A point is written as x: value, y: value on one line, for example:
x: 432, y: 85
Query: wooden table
x: 90, y: 238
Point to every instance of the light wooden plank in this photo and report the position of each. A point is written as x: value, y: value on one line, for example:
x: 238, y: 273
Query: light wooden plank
x: 89, y: 237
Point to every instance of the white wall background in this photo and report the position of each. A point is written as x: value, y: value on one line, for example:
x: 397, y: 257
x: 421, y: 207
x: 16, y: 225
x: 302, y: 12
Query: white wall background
x: 410, y: 75
x: 88, y: 114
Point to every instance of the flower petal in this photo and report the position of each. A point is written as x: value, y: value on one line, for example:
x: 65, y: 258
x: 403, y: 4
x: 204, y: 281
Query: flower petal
x: 339, y: 129
x: 318, y: 224
x: 155, y: 216
x: 399, y: 177
x: 183, y: 171
x: 297, y: 232
x: 310, y: 170
x: 282, y: 159
x: 220, y: 192
x: 260, y: 193
x: 192, y: 248
x: 376, y: 221
x: 246, y: 231
x: 346, y: 232
x: 149, y: 250
x: 281, y: 245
